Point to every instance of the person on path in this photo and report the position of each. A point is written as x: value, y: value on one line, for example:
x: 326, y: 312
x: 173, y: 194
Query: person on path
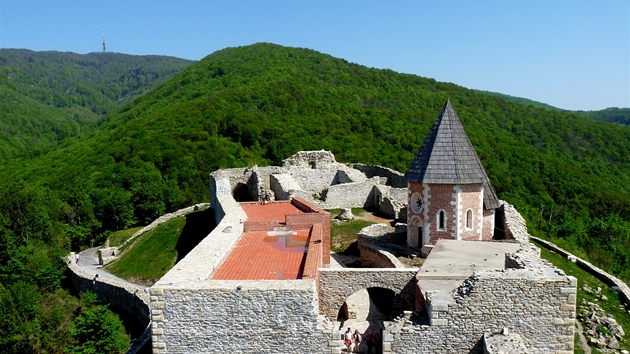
x: 369, y: 340
x: 356, y: 337
x: 76, y: 257
x: 347, y: 340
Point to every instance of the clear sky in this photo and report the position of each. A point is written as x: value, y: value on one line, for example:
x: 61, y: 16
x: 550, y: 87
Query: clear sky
x: 571, y: 54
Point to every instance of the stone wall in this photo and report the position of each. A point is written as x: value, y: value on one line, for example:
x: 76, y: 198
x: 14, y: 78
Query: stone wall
x: 239, y: 316
x: 624, y: 290
x: 337, y: 284
x: 121, y: 295
x: 191, y: 313
x: 162, y: 219
x: 540, y: 307
x: 394, y: 178
x: 373, y: 255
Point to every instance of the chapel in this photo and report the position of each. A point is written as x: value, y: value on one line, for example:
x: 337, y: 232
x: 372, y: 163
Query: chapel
x: 448, y: 191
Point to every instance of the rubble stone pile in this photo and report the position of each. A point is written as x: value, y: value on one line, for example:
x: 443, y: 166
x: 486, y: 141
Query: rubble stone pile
x: 601, y: 328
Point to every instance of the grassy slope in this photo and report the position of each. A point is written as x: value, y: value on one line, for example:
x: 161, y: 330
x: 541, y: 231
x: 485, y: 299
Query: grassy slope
x: 612, y: 306
x: 154, y: 253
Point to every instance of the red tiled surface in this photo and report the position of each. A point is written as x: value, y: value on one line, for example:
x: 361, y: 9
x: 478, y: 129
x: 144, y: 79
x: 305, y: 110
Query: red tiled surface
x: 274, y: 211
x: 256, y: 257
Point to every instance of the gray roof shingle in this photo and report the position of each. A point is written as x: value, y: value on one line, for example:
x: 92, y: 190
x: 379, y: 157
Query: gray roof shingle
x: 448, y: 157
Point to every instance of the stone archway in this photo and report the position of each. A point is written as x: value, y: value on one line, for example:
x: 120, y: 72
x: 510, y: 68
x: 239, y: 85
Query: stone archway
x: 336, y: 285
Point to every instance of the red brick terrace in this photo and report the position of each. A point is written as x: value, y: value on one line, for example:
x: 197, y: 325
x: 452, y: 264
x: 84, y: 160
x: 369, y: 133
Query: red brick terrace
x: 281, y: 240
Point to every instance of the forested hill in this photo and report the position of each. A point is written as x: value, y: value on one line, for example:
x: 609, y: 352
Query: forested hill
x: 48, y: 96
x: 613, y: 115
x: 567, y: 174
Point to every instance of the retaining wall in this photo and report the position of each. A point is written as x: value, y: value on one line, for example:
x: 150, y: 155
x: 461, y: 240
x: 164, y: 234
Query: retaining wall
x: 164, y: 218
x: 624, y: 290
x: 121, y: 295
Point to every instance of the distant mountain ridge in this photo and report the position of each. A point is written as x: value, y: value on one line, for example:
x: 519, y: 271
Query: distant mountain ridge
x: 612, y: 114
x: 48, y: 96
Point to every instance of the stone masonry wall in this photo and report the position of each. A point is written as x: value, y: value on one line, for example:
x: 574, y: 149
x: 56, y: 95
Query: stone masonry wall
x: 624, y: 290
x: 164, y: 218
x: 539, y: 307
x: 337, y: 284
x: 240, y: 316
x: 120, y: 294
x: 394, y: 178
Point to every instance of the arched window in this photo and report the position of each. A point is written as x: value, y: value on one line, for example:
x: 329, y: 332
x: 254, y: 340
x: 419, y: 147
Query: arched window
x: 469, y: 219
x: 441, y: 220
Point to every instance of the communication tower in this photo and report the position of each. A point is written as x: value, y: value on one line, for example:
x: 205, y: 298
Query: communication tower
x: 104, y: 45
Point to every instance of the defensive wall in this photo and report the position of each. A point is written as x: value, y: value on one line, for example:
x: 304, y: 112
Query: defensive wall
x: 316, y: 177
x: 108, y: 254
x: 529, y: 298
x: 624, y: 290
x: 337, y: 284
x: 191, y: 313
x: 121, y: 295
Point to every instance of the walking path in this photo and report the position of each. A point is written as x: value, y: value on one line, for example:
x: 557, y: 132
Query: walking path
x: 89, y: 263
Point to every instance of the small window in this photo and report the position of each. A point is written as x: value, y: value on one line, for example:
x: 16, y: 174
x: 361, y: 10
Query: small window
x: 441, y: 220
x: 469, y: 219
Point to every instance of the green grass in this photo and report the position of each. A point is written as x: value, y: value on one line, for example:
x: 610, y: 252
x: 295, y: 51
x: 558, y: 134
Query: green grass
x: 610, y: 307
x: 344, y: 233
x: 152, y: 256
x: 155, y: 252
x: 355, y: 211
x: 117, y: 238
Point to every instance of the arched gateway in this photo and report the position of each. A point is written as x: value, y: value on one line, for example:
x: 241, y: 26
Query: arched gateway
x: 337, y: 284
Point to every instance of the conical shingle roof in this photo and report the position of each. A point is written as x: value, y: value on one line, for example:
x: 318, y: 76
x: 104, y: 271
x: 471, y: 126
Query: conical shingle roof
x: 448, y: 157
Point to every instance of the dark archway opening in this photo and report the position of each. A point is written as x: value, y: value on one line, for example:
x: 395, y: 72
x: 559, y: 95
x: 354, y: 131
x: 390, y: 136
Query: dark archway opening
x: 241, y: 193
x: 499, y: 224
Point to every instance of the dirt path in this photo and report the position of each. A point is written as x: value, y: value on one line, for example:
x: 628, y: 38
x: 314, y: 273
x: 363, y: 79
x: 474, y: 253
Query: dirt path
x: 377, y: 219
x: 583, y: 341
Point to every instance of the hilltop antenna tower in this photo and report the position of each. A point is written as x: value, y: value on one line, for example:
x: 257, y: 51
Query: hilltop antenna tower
x: 104, y: 45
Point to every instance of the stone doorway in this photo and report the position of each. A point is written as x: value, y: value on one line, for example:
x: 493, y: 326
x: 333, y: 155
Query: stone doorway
x: 366, y: 310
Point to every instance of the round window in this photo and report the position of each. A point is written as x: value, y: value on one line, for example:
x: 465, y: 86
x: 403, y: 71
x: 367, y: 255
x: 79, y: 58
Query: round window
x: 416, y: 202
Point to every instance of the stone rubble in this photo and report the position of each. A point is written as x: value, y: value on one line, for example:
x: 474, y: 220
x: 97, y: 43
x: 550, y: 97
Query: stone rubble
x: 601, y: 328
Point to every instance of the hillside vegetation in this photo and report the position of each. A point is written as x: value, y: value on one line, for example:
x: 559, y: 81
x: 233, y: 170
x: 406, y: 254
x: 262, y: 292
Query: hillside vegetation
x: 567, y: 174
x: 49, y: 96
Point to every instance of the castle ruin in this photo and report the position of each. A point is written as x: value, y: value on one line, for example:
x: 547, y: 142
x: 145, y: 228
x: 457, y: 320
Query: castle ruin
x: 262, y: 281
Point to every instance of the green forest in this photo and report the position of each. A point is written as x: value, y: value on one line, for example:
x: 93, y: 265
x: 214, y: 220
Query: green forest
x: 142, y: 147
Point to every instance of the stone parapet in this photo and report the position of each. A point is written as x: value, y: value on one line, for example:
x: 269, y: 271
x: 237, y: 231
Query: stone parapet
x: 624, y: 290
x: 164, y: 218
x: 121, y: 295
x: 265, y: 316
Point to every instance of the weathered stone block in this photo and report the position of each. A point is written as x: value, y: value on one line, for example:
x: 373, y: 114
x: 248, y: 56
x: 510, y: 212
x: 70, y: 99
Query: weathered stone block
x: 439, y: 322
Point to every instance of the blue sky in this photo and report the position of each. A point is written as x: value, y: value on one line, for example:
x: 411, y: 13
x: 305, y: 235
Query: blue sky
x: 570, y: 54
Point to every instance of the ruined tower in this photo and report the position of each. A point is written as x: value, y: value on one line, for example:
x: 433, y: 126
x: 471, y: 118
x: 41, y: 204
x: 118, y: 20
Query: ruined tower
x: 449, y: 194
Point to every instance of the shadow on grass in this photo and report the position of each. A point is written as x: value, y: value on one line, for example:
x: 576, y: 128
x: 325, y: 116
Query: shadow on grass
x: 198, y: 226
